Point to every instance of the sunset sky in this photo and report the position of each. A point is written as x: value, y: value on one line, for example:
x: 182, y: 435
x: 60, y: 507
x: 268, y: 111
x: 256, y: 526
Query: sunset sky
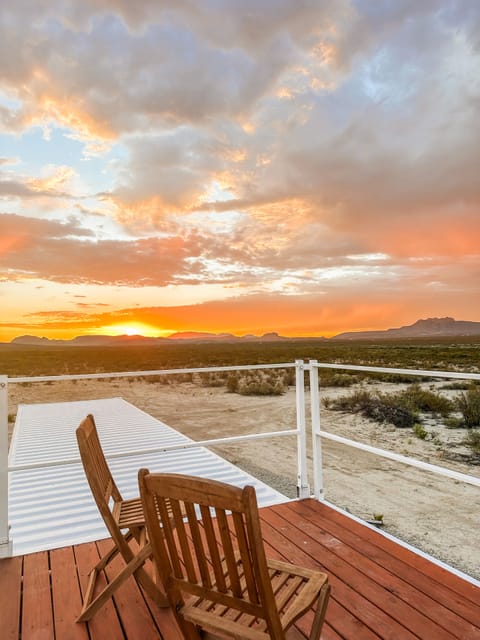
x: 243, y: 166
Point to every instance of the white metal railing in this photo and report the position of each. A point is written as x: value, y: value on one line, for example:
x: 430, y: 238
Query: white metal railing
x: 318, y: 434
x: 303, y: 487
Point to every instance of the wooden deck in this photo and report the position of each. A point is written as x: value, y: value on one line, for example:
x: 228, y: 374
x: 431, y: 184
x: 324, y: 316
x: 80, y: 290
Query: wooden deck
x: 379, y: 589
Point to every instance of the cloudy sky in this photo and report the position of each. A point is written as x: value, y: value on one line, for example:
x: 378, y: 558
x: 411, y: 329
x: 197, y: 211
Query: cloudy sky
x: 300, y: 166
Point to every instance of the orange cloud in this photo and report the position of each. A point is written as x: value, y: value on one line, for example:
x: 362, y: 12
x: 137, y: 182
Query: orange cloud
x: 72, y: 113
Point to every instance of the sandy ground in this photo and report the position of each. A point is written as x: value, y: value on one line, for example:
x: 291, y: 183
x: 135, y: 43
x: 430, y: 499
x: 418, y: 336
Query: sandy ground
x: 436, y: 514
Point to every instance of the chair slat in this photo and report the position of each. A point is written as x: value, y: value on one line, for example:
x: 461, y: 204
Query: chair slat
x: 213, y: 549
x: 168, y: 535
x: 182, y: 538
x: 200, y: 551
x: 284, y: 589
x: 234, y: 580
x: 245, y: 557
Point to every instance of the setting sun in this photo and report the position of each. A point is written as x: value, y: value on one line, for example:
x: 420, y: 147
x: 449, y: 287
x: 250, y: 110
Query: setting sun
x: 133, y: 329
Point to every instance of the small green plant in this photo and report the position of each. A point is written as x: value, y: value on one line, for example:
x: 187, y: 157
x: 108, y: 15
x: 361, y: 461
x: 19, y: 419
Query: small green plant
x: 420, y: 431
x: 378, y: 516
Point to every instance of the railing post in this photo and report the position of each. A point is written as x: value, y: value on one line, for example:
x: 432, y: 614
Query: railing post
x: 5, y: 542
x: 303, y: 488
x: 316, y: 432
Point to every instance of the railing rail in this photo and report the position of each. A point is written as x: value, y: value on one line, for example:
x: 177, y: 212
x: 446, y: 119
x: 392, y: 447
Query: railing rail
x: 152, y: 372
x: 428, y: 373
x: 170, y: 447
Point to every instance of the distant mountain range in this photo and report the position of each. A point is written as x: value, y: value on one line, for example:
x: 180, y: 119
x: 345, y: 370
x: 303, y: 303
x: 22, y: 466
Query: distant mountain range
x: 188, y: 336
x: 428, y: 328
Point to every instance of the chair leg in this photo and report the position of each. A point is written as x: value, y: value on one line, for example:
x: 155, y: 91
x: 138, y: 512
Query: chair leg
x: 150, y: 587
x: 320, y: 612
x: 105, y: 559
x: 91, y: 606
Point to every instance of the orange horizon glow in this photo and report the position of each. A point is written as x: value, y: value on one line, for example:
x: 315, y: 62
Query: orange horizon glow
x: 288, y: 316
x: 130, y: 329
x: 140, y: 329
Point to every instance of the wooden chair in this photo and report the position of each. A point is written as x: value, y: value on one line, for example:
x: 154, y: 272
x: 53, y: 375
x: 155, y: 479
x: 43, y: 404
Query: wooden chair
x: 124, y: 520
x: 213, y: 566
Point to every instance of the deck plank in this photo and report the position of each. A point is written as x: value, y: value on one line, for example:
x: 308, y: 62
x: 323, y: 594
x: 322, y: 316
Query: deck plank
x: 130, y: 603
x: 37, y: 612
x: 10, y: 592
x: 66, y: 595
x: 163, y: 616
x: 86, y: 556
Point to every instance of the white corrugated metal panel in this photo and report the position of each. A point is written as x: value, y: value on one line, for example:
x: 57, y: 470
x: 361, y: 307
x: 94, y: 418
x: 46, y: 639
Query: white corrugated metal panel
x: 52, y: 507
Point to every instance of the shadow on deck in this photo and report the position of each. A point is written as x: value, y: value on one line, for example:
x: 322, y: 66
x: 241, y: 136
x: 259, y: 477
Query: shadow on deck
x: 379, y: 588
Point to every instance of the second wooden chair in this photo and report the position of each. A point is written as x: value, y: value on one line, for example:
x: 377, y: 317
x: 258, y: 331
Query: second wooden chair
x: 124, y: 520
x: 213, y: 566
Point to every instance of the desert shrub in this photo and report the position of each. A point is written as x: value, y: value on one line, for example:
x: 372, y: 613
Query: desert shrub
x: 261, y: 384
x: 457, y: 385
x: 378, y: 407
x: 419, y: 399
x: 337, y: 379
x: 355, y: 402
x: 468, y: 404
x: 453, y: 422
x: 473, y: 442
x: 260, y: 388
x: 181, y: 377
x: 212, y: 379
x: 383, y: 409
x: 289, y: 377
x: 232, y: 383
x: 394, y: 378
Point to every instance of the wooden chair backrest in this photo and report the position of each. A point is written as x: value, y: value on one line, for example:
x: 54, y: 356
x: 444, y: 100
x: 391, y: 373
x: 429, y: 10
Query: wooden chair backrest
x: 213, y: 550
x: 98, y: 473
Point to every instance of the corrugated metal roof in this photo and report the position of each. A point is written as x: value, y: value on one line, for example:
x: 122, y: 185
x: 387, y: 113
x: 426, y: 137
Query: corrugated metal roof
x: 52, y: 507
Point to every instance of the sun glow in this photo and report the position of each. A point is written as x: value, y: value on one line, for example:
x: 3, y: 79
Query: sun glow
x: 132, y: 329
